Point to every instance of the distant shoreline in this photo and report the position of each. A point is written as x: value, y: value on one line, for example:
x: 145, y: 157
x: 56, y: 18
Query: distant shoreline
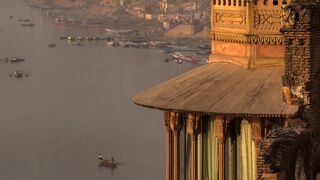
x: 85, y: 18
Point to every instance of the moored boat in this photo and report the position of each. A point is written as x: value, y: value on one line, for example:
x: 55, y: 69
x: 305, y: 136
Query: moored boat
x: 76, y: 43
x: 17, y: 74
x: 16, y: 60
x: 177, y: 55
x: 23, y: 20
x: 28, y: 25
x: 178, y: 61
x: 51, y: 45
x: 112, y: 44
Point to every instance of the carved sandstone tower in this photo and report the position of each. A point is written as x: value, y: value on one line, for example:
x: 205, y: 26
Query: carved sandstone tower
x: 301, y: 29
x: 247, y: 32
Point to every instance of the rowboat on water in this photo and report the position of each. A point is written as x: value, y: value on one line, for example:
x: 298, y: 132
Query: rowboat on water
x: 107, y: 162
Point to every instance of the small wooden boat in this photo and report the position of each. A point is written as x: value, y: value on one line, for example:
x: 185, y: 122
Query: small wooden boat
x: 27, y: 25
x: 76, y: 43
x: 17, y: 74
x: 16, y: 60
x: 23, y: 20
x: 178, y: 61
x: 110, y: 44
x: 177, y: 55
x: 6, y: 60
x: 63, y: 37
x: 108, y: 163
x: 144, y: 45
x: 51, y: 45
x: 80, y: 38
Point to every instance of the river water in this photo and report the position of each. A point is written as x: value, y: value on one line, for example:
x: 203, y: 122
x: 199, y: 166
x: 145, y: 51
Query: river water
x: 76, y: 104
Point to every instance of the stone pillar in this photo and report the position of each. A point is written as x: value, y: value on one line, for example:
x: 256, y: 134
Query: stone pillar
x: 176, y: 125
x: 256, y: 133
x: 220, y: 136
x: 168, y: 146
x: 194, y: 128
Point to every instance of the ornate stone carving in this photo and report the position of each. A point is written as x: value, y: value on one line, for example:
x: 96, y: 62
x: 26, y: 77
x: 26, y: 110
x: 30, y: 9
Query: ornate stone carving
x: 247, y: 39
x: 230, y: 18
x: 175, y: 123
x: 267, y: 20
x: 256, y: 129
x: 293, y: 13
x: 194, y: 125
x: 167, y: 120
x: 256, y: 132
x: 220, y: 126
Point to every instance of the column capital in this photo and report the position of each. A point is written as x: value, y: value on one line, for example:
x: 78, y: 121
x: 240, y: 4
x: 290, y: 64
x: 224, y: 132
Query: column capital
x: 167, y: 120
x: 194, y: 125
x: 175, y: 123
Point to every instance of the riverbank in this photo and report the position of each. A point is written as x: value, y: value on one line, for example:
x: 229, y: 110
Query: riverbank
x: 123, y: 29
x: 116, y: 14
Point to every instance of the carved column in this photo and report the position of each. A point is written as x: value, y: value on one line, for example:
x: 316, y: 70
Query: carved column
x: 168, y: 146
x: 176, y: 125
x: 256, y: 133
x: 220, y: 136
x: 194, y: 128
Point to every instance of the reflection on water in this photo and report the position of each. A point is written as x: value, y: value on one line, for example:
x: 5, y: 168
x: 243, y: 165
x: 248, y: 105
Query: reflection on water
x: 76, y: 104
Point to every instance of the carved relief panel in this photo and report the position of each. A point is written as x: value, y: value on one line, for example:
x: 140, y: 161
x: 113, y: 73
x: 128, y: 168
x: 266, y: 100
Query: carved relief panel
x: 269, y: 20
x: 229, y: 18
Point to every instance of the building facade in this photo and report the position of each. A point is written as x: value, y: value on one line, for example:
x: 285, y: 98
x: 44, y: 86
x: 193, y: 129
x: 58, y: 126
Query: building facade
x: 247, y: 32
x: 229, y: 120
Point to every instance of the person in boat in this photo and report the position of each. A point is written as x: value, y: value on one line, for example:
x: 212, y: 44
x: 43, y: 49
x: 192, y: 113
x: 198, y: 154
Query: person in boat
x: 100, y: 156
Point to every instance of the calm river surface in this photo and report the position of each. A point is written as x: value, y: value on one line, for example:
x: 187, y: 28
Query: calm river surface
x: 75, y: 104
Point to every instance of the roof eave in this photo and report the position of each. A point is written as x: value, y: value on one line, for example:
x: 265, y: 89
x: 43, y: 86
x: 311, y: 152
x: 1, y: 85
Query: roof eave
x: 293, y: 113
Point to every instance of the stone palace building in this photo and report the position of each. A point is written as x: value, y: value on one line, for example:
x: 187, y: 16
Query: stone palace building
x: 253, y: 112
